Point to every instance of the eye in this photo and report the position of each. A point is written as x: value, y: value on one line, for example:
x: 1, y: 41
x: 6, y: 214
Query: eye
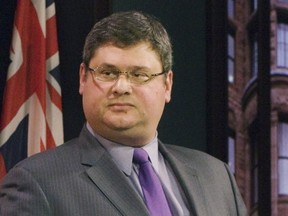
x: 108, y: 73
x: 139, y: 75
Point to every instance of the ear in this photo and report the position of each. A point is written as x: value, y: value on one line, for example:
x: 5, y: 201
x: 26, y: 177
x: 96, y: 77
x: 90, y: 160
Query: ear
x: 82, y: 78
x: 168, y: 84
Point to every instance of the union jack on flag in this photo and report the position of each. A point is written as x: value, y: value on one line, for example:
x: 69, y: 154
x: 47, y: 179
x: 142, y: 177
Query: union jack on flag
x: 31, y: 118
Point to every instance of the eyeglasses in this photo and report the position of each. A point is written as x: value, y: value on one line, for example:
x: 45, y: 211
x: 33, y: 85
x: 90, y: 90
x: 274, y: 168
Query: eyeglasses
x: 108, y: 74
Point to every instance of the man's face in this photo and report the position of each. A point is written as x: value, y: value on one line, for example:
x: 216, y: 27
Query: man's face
x: 121, y: 111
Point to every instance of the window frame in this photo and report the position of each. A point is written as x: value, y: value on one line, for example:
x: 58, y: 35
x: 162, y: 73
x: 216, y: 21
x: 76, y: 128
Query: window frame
x: 231, y: 57
x: 282, y: 177
x: 254, y: 161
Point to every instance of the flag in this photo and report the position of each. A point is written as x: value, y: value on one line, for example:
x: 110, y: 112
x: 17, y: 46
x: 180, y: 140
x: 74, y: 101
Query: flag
x: 31, y: 118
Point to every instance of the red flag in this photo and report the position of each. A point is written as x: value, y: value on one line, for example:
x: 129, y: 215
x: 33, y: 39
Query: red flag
x: 31, y: 118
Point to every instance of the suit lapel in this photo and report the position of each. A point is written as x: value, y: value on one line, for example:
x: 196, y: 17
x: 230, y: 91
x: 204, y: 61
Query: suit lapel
x: 114, y: 185
x: 109, y: 179
x: 188, y: 179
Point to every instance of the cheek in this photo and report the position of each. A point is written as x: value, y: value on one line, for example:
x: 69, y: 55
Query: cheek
x: 91, y: 101
x: 93, y: 95
x: 154, y: 101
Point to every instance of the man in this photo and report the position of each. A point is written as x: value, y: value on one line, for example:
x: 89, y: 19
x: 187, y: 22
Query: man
x: 125, y: 82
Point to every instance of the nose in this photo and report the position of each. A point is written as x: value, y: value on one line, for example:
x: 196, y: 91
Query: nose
x: 122, y: 85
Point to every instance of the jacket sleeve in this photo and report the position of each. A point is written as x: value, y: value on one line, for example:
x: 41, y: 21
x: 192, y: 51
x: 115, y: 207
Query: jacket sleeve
x: 20, y: 194
x: 240, y: 206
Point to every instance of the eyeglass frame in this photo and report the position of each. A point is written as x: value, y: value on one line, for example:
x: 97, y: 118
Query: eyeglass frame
x: 126, y: 73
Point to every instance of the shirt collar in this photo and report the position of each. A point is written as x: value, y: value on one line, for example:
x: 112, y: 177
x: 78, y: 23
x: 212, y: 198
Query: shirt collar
x: 152, y: 150
x: 123, y: 155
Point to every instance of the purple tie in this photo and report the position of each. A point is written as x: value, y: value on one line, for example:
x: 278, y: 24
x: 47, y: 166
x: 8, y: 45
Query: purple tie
x: 151, y: 186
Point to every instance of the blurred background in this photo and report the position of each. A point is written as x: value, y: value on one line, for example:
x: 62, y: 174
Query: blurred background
x: 230, y: 82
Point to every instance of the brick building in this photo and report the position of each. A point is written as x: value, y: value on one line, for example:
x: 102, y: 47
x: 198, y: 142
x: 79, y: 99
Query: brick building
x: 243, y: 71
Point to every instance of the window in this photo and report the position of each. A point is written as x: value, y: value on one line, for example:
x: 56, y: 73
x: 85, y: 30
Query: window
x: 231, y: 58
x: 253, y: 134
x: 283, y: 158
x: 282, y: 45
x: 231, y: 153
x: 230, y: 8
x: 255, y: 168
x: 254, y: 54
x: 253, y: 5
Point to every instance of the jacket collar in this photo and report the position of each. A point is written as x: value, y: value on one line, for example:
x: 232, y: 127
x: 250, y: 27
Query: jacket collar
x: 101, y: 167
x: 188, y: 180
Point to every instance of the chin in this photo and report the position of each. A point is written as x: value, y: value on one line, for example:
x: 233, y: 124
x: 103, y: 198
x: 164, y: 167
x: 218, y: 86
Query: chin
x: 121, y: 123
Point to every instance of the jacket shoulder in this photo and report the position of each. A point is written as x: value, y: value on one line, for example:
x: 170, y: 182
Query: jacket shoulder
x: 187, y: 154
x: 54, y: 157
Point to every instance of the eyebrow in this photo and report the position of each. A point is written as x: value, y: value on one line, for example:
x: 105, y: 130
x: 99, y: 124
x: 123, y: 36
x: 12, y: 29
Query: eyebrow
x: 107, y: 65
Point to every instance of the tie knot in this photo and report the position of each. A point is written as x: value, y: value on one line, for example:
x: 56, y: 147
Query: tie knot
x: 140, y: 156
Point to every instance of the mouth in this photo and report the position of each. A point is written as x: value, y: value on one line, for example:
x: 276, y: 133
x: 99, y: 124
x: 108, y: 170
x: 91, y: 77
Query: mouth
x: 120, y: 106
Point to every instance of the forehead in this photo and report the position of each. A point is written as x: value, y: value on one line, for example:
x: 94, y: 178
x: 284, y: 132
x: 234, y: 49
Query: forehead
x: 140, y: 54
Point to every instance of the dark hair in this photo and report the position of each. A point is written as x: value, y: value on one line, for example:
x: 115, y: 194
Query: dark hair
x: 125, y: 29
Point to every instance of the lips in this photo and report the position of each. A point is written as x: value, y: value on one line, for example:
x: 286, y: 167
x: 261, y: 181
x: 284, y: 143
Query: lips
x: 120, y: 106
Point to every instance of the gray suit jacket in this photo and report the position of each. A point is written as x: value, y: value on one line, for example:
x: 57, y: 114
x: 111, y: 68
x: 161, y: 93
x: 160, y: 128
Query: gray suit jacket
x: 79, y: 178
